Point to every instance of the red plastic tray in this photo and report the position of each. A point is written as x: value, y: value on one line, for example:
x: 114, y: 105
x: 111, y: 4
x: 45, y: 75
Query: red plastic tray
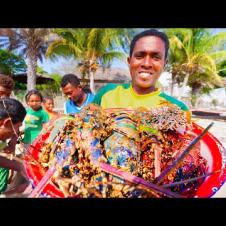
x: 211, y: 149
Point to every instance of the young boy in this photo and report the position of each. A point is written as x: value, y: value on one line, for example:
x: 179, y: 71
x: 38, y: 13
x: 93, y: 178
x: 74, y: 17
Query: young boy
x: 12, y: 114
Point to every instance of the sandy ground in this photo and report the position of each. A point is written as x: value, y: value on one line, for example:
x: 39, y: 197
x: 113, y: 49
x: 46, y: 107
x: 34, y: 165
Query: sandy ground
x: 219, y: 131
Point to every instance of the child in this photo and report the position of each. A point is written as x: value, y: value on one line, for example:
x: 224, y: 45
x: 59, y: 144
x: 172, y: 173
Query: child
x: 48, y: 105
x: 35, y: 117
x: 12, y: 114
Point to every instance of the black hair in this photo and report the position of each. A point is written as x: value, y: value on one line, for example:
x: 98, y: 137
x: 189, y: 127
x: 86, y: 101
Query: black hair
x: 6, y: 82
x: 70, y: 78
x: 33, y: 92
x: 13, y: 108
x: 47, y: 98
x: 150, y: 32
x: 86, y: 89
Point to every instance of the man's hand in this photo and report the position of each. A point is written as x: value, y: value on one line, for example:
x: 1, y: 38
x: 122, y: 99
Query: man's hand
x: 10, y: 149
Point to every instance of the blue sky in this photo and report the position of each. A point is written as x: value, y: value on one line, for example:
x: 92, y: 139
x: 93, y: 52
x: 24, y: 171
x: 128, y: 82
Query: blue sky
x: 48, y: 65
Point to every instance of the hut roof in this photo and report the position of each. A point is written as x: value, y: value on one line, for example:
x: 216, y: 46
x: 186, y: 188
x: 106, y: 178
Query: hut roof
x: 41, y: 79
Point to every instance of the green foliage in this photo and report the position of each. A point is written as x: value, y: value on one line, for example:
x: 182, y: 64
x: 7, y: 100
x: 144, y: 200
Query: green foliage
x: 93, y: 47
x: 222, y: 69
x: 51, y: 88
x: 20, y: 93
x: 40, y: 71
x: 197, y: 53
x: 20, y: 86
x: 31, y: 43
x: 11, y: 63
x: 91, y: 44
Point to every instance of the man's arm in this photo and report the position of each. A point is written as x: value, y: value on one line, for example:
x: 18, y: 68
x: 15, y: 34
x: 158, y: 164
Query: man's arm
x: 13, y: 165
x: 9, y: 164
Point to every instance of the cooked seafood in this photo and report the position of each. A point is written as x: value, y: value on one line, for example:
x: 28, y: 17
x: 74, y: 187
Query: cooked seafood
x: 142, y: 142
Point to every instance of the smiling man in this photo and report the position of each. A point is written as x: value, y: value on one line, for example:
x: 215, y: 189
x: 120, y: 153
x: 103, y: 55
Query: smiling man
x: 148, y: 57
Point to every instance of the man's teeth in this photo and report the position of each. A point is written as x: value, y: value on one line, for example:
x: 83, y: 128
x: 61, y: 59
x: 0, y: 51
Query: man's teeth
x: 144, y: 74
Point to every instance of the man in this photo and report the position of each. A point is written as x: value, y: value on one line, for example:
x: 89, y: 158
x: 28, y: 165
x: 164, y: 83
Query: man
x: 148, y: 57
x: 78, y: 97
x: 6, y: 85
x: 12, y: 114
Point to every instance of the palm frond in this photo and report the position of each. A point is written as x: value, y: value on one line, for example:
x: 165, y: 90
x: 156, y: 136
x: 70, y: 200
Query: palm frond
x: 215, y: 43
x: 218, y: 56
x: 110, y: 56
x: 177, y: 49
x: 204, y: 61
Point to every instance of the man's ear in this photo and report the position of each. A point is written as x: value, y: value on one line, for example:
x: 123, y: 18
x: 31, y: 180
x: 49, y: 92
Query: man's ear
x: 128, y: 60
x: 6, y: 122
x: 1, y: 122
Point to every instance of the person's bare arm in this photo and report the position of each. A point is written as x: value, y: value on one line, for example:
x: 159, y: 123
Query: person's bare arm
x: 13, y: 165
x: 10, y: 149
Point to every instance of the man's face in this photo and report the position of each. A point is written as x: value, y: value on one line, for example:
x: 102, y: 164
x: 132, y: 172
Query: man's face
x: 147, y: 63
x: 74, y: 93
x: 4, y: 92
x: 6, y: 129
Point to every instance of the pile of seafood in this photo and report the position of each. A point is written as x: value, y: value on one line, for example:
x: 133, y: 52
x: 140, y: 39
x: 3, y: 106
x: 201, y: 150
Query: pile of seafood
x: 141, y: 142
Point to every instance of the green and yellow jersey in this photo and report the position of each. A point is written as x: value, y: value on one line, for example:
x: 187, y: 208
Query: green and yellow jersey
x: 123, y: 96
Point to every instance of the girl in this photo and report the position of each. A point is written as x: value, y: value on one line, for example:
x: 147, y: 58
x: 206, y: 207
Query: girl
x: 48, y: 105
x: 35, y: 117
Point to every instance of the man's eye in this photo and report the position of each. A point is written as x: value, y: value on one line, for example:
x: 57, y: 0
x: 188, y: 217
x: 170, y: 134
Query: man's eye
x: 157, y: 56
x: 138, y: 56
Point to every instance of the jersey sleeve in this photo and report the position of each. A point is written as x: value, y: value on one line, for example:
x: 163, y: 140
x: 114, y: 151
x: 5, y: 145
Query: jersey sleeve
x: 98, y: 97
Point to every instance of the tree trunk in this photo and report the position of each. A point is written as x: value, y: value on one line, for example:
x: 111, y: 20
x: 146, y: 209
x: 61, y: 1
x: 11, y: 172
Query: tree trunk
x: 92, y: 88
x: 31, y: 72
x: 194, y: 96
x: 171, y: 87
x: 185, y: 82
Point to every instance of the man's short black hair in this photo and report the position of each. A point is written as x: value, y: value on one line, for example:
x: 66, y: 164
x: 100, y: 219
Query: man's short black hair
x: 70, y: 78
x: 150, y: 32
x: 6, y: 82
x: 12, y: 108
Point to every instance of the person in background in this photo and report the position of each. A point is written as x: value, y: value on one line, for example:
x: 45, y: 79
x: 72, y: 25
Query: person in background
x: 48, y: 104
x: 6, y: 85
x: 35, y: 118
x: 12, y: 114
x: 78, y: 97
x: 147, y: 59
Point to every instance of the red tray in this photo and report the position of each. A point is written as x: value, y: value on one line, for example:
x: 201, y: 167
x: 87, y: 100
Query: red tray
x: 211, y: 149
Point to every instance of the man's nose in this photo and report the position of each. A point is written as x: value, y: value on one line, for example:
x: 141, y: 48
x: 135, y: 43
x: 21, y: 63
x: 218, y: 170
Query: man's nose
x: 147, y: 62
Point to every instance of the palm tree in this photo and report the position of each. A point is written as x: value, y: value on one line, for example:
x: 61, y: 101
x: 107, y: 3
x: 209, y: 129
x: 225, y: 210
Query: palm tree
x: 94, y: 47
x: 30, y: 43
x: 10, y: 63
x: 194, y: 58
